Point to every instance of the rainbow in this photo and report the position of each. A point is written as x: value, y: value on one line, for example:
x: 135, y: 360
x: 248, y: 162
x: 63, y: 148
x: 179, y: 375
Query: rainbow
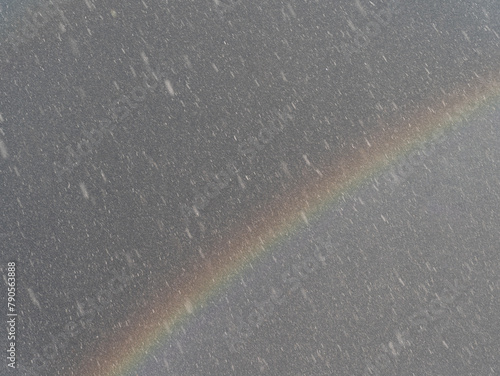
x: 124, y: 351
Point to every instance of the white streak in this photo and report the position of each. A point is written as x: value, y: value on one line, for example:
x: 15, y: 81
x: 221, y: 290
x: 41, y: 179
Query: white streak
x: 3, y: 150
x: 170, y: 89
x: 33, y: 298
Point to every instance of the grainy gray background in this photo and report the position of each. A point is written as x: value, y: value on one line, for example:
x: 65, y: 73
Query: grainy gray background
x: 116, y: 212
